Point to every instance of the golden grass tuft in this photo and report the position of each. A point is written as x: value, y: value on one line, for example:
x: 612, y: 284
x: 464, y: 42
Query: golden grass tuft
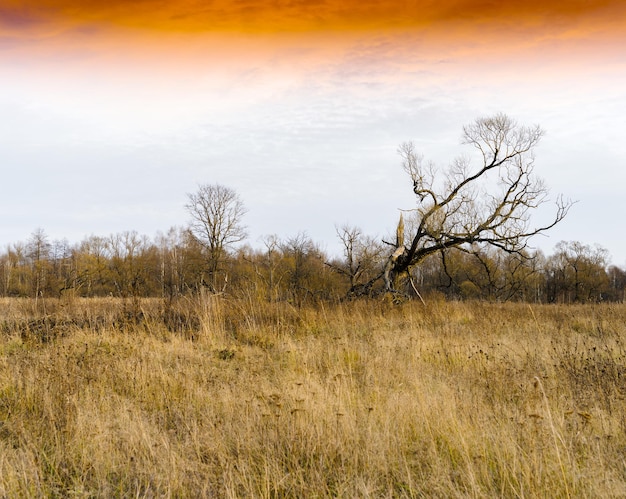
x: 215, y: 397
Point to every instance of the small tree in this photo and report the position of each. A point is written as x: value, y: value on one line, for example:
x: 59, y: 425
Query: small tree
x: 38, y: 248
x: 362, y: 257
x: 269, y: 265
x: 617, y: 279
x: 130, y: 265
x: 577, y: 272
x: 298, y: 251
x: 92, y: 267
x: 216, y: 213
x: 466, y: 205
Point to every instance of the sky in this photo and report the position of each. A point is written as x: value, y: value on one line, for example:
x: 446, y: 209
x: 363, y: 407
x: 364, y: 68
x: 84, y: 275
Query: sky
x: 112, y: 112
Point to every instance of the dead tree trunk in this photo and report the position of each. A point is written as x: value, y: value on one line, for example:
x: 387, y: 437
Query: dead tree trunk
x: 390, y: 273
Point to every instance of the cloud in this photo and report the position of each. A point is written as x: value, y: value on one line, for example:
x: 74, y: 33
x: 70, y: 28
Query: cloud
x: 13, y: 18
x: 297, y: 33
x: 315, y: 15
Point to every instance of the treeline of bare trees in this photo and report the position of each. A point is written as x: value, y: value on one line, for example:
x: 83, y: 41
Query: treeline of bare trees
x: 296, y: 270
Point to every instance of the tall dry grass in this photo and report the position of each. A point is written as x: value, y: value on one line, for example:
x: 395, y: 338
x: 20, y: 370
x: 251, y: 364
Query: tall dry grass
x: 212, y: 397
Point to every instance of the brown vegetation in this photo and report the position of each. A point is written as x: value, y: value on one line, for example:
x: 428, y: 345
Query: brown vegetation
x: 217, y: 397
x: 296, y: 270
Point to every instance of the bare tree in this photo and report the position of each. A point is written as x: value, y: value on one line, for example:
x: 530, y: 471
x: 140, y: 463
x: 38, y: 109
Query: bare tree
x: 38, y: 248
x: 128, y: 268
x: 216, y: 213
x: 271, y: 262
x: 617, y: 279
x: 467, y: 205
x: 362, y: 260
x: 577, y: 272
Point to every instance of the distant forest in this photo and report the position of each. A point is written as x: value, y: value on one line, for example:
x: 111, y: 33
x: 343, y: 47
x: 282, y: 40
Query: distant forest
x: 296, y: 270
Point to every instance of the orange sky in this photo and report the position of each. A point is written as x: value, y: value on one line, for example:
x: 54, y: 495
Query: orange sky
x: 181, y: 31
x: 570, y: 18
x: 316, y: 15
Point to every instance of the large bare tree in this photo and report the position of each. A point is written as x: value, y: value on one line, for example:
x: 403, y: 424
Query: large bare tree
x: 466, y: 204
x: 216, y: 221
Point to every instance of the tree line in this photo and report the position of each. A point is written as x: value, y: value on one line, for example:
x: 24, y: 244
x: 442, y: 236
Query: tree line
x: 296, y: 270
x: 466, y: 237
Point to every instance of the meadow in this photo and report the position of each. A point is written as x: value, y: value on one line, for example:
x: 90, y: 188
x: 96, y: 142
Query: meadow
x: 216, y: 397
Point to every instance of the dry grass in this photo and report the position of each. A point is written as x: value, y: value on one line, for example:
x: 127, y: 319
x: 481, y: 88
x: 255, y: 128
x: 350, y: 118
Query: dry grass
x: 219, y: 398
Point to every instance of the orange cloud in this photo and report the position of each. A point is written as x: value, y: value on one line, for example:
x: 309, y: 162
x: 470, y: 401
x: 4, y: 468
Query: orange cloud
x: 313, y: 15
x: 178, y: 30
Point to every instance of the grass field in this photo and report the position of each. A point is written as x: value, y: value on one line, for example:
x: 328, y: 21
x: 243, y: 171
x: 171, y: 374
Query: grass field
x: 221, y: 398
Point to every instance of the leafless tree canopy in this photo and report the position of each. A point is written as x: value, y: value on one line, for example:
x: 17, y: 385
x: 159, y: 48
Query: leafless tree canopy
x: 216, y: 214
x: 362, y: 256
x: 465, y: 204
